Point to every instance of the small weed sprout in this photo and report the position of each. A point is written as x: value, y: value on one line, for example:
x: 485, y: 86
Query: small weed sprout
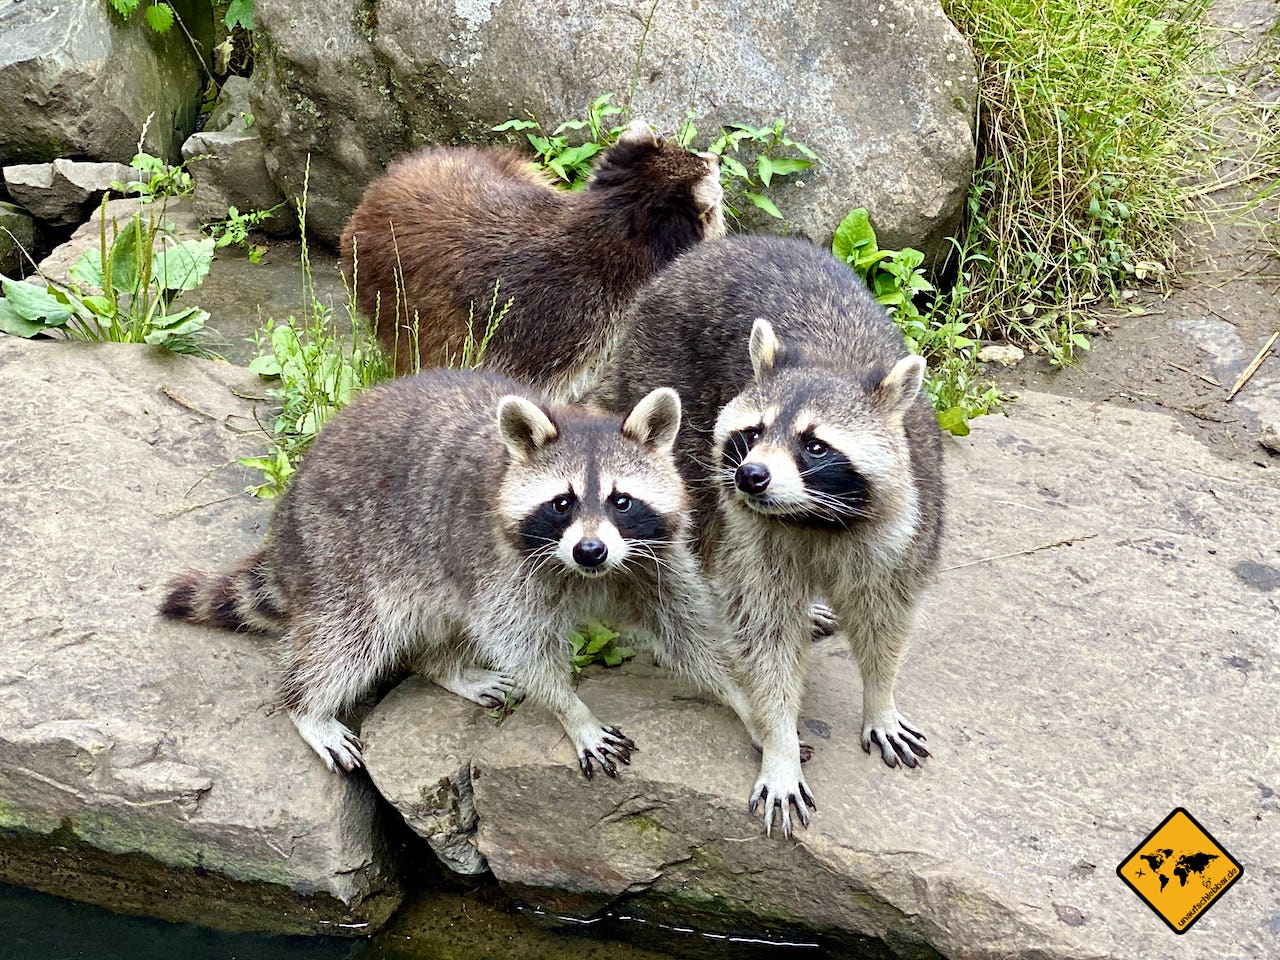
x: 236, y: 228
x: 156, y: 179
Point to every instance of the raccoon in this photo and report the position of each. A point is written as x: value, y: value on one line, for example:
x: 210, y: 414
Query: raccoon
x: 458, y: 522
x: 815, y: 464
x: 433, y: 236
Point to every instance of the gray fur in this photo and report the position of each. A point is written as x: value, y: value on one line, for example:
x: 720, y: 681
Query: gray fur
x: 400, y: 541
x: 832, y: 354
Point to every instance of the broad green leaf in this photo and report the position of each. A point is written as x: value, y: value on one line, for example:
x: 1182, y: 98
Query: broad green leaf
x: 514, y: 125
x: 160, y: 17
x: 853, y: 234
x: 35, y: 304
x: 98, y: 306
x: 765, y: 204
x: 953, y: 421
x: 239, y: 12
x: 127, y: 253
x: 734, y: 167
x: 183, y: 322
x: 13, y: 322
x: 87, y: 271
x: 184, y: 266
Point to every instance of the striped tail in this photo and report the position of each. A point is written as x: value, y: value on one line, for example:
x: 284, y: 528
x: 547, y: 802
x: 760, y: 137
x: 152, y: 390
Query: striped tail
x: 242, y: 598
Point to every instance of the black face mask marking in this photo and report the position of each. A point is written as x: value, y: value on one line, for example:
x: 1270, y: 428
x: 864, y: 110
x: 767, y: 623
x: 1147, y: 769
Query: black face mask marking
x: 841, y: 491
x: 736, y: 447
x: 638, y: 521
x: 548, y: 522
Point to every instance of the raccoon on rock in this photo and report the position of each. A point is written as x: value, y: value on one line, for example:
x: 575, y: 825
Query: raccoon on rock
x: 459, y: 522
x: 433, y: 236
x: 816, y: 466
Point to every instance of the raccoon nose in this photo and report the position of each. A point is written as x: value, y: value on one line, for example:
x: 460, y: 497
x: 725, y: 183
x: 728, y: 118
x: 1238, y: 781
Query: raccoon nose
x: 752, y: 478
x: 590, y: 553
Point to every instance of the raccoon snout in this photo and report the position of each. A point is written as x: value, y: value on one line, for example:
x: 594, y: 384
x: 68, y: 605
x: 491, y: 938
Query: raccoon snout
x: 752, y: 478
x: 590, y: 553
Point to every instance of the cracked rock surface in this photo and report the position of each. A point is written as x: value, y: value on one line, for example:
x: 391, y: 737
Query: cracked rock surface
x: 145, y: 751
x: 1073, y: 695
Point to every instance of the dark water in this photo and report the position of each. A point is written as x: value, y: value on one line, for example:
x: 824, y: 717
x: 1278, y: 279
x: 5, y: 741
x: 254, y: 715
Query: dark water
x: 444, y: 926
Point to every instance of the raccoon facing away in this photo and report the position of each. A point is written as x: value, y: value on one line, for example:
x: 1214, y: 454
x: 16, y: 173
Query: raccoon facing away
x: 459, y: 523
x: 433, y: 236
x: 815, y: 463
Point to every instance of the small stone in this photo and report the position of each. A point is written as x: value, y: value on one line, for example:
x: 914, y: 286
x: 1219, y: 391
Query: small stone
x: 232, y: 112
x: 1005, y: 354
x: 1271, y: 437
x: 1069, y: 915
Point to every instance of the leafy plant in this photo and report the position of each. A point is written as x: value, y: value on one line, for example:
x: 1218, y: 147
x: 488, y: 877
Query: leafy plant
x: 125, y: 291
x: 742, y: 149
x: 750, y: 157
x: 239, y: 14
x: 235, y: 229
x: 596, y: 643
x: 159, y: 15
x: 942, y: 332
x: 156, y: 179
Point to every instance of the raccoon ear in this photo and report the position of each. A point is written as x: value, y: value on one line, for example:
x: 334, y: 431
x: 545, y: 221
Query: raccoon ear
x: 655, y: 420
x: 896, y: 391
x: 764, y: 348
x: 525, y: 428
x: 638, y: 131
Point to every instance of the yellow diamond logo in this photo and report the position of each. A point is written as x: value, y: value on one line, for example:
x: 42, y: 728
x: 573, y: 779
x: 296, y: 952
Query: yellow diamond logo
x: 1179, y: 871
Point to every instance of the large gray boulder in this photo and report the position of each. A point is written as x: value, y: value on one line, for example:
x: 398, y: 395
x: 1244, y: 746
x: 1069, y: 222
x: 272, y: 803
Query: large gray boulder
x: 77, y: 81
x: 885, y: 95
x: 62, y: 192
x: 1099, y: 649
x: 141, y: 764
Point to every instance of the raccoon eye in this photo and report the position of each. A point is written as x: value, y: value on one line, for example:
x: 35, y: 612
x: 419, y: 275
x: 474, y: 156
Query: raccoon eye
x: 816, y: 448
x: 621, y: 503
x: 752, y: 436
x: 561, y: 504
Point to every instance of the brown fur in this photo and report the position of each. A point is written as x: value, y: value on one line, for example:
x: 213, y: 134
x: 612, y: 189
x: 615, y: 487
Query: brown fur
x: 453, y: 221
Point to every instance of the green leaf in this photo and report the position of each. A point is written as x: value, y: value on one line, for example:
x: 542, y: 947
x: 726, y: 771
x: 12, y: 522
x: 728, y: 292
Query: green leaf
x: 734, y: 167
x: 184, y: 266
x: 160, y: 17
x: 853, y: 234
x: 98, y: 306
x: 13, y: 322
x: 954, y: 421
x: 239, y: 13
x: 127, y: 254
x: 35, y: 304
x: 514, y: 125
x: 125, y: 7
x: 764, y: 167
x: 265, y: 366
x: 182, y: 323
x: 765, y: 204
x: 87, y: 271
x: 782, y: 166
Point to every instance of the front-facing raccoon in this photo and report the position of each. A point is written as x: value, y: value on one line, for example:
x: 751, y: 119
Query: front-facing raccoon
x: 815, y: 462
x: 433, y: 236
x: 460, y: 523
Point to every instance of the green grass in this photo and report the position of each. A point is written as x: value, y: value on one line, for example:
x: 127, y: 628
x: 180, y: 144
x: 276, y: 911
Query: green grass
x: 1088, y: 142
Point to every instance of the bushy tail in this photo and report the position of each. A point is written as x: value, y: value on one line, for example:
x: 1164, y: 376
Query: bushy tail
x: 242, y: 598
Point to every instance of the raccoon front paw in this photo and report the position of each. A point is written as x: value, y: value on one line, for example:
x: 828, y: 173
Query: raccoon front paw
x: 488, y: 688
x: 824, y: 621
x: 603, y: 745
x: 335, y: 744
x: 779, y: 794
x: 898, y: 740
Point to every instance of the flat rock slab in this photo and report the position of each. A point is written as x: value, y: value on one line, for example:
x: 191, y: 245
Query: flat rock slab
x: 1073, y: 694
x: 141, y: 766
x: 62, y: 192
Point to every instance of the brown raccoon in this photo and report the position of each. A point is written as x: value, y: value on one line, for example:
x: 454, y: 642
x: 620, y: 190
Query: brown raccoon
x: 433, y: 236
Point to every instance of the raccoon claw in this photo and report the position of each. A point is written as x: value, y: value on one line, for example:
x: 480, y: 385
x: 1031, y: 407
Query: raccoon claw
x: 488, y: 688
x: 609, y: 745
x: 782, y: 803
x: 336, y: 745
x: 899, y: 743
x: 824, y: 621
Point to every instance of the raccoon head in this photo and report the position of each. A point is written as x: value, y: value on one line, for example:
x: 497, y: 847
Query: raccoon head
x: 816, y: 447
x: 587, y: 491
x: 675, y: 194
